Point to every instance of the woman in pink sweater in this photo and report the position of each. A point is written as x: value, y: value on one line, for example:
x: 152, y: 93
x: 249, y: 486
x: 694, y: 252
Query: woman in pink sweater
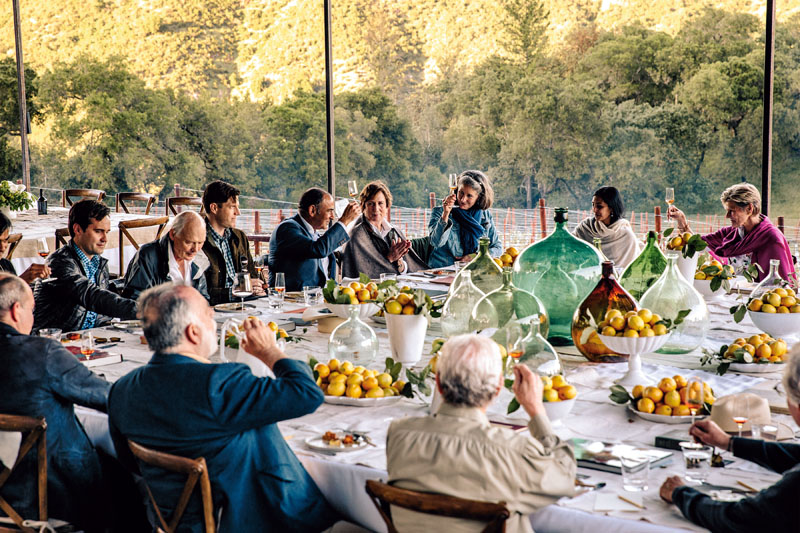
x: 751, y: 237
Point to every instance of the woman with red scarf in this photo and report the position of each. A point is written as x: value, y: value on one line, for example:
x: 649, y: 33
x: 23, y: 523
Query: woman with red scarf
x: 751, y: 237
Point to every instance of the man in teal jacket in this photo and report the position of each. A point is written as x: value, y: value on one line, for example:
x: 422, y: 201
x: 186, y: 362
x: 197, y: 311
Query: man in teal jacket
x: 182, y: 404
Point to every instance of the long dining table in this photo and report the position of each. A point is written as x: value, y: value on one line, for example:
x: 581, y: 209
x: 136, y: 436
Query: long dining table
x: 342, y: 476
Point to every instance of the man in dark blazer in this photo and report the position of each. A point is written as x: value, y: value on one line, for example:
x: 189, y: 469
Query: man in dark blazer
x: 39, y: 377
x: 182, y: 404
x: 296, y: 249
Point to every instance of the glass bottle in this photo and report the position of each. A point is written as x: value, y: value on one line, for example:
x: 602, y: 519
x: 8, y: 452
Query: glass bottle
x: 772, y: 281
x: 508, y: 303
x: 670, y: 294
x: 485, y: 272
x: 607, y: 295
x: 41, y: 203
x: 534, y: 351
x: 561, y: 271
x: 353, y: 340
x: 645, y: 269
x: 597, y: 242
x: 459, y: 305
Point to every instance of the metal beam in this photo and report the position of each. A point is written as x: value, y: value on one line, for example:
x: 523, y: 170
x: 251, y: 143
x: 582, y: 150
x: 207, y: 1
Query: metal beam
x: 329, y: 98
x: 23, y: 111
x: 766, y: 152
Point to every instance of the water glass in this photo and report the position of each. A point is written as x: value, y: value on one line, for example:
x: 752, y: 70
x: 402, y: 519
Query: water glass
x: 385, y: 276
x: 460, y: 265
x: 635, y: 470
x: 768, y: 431
x: 697, y: 460
x: 275, y: 300
x: 50, y: 333
x: 312, y: 295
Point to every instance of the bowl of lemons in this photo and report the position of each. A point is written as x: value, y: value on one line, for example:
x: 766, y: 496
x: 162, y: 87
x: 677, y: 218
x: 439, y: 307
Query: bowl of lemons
x: 559, y: 397
x: 776, y: 312
x: 340, y: 298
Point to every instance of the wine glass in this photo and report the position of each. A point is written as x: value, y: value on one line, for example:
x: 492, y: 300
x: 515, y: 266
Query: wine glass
x: 242, y: 288
x: 670, y: 198
x: 695, y: 394
x: 259, y: 263
x: 280, y: 286
x: 87, y: 345
x: 352, y: 188
x: 452, y: 182
x: 42, y: 248
x: 741, y: 411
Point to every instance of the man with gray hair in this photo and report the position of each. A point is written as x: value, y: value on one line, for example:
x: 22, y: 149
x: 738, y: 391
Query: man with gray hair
x: 40, y: 378
x: 457, y: 452
x: 774, y: 508
x: 176, y: 257
x: 182, y: 404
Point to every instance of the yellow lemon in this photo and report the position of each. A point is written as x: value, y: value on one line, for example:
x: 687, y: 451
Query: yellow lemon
x: 645, y: 405
x: 654, y: 393
x: 795, y: 309
x: 667, y: 385
x: 384, y: 380
x: 773, y: 299
x: 764, y: 351
x: 346, y: 368
x: 272, y: 325
x: 656, y: 318
x: 647, y: 332
x: 660, y: 329
x: 409, y: 309
x: 783, y: 309
x: 755, y: 340
x: 630, y: 333
x: 506, y: 258
x: 348, y: 291
x: 393, y: 307
x: 636, y: 323
x: 513, y: 252
x: 551, y: 395
x: 403, y: 298
x: 699, y: 275
x: 376, y: 392
x: 638, y: 391
x: 547, y: 382
x: 369, y: 384
x: 680, y: 381
x: 363, y: 295
x: 322, y: 370
x: 356, y: 286
x: 672, y: 398
x: 646, y: 315
x: 681, y: 410
x: 355, y: 379
x: 399, y: 385
x: 337, y: 388
x: 617, y: 322
x: 788, y: 301
x: 664, y: 410
x: 567, y: 392
x: 339, y: 378
x: 359, y: 370
x: 333, y: 364
x: 354, y: 391
x: 388, y: 391
x: 559, y: 381
x: 609, y: 331
x: 778, y: 347
x: 612, y: 313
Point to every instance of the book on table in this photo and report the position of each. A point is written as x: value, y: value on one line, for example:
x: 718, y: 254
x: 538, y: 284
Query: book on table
x: 600, y: 455
x: 98, y: 358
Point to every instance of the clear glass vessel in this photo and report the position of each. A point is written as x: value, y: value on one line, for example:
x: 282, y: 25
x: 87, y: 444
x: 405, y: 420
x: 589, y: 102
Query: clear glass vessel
x: 485, y: 272
x: 506, y: 304
x: 353, y: 340
x: 561, y: 271
x: 772, y: 281
x: 673, y: 293
x: 458, y: 308
x: 534, y: 351
x: 607, y: 295
x: 645, y: 269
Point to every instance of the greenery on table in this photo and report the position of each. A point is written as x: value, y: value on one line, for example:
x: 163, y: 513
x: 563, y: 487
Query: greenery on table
x: 14, y: 197
x: 693, y: 245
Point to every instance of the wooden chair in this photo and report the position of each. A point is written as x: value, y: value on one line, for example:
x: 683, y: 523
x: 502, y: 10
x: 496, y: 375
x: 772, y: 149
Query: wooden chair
x: 258, y: 240
x: 123, y: 197
x: 62, y: 234
x: 126, y: 225
x: 13, y: 242
x: 36, y: 435
x: 175, y: 201
x: 67, y: 194
x: 195, y: 469
x: 384, y: 496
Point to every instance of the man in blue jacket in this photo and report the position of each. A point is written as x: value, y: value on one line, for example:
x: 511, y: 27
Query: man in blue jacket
x: 182, y: 404
x: 296, y: 249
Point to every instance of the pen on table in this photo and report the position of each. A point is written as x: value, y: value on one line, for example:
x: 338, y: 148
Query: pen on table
x: 745, y: 485
x: 626, y: 500
x: 103, y: 346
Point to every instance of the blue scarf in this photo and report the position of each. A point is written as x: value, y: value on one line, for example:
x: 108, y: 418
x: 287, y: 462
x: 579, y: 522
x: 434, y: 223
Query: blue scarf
x: 470, y: 229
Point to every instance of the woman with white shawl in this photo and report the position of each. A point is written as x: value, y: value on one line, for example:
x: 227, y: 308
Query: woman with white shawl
x: 616, y: 236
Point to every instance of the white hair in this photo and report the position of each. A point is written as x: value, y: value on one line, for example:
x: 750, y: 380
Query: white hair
x: 791, y: 375
x: 12, y: 290
x: 182, y: 220
x: 469, y: 370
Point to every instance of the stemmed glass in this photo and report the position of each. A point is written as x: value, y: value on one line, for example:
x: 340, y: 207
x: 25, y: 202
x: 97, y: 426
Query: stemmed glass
x: 259, y: 263
x: 87, y: 345
x: 352, y: 188
x: 452, y: 182
x: 243, y: 288
x: 280, y: 287
x: 670, y: 198
x: 42, y: 248
x: 695, y: 394
x: 741, y: 412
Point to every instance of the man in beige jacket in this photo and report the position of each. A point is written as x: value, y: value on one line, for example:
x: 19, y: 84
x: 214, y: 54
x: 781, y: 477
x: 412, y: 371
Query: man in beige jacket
x: 457, y: 452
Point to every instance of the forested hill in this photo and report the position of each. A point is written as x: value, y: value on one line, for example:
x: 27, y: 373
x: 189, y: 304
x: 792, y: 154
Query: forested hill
x: 267, y: 49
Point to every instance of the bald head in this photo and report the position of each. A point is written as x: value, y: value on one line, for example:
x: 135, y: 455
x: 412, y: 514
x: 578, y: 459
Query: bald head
x: 16, y: 303
x: 188, y: 233
x: 177, y: 319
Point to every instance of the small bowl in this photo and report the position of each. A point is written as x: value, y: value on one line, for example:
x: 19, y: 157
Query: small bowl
x: 558, y: 410
x: 364, y: 310
x: 776, y: 324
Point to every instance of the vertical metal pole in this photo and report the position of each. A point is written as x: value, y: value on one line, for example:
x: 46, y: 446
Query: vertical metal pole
x: 23, y: 111
x: 329, y: 98
x: 766, y: 152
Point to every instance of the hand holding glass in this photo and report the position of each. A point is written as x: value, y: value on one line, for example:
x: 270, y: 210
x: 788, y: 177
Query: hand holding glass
x: 352, y: 188
x: 695, y: 394
x: 670, y: 198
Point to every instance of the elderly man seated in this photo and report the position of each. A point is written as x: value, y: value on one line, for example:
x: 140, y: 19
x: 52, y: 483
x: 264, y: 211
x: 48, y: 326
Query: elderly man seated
x: 79, y: 298
x: 458, y: 453
x: 182, y: 404
x: 299, y: 251
x: 39, y: 377
x: 171, y: 258
x: 775, y: 508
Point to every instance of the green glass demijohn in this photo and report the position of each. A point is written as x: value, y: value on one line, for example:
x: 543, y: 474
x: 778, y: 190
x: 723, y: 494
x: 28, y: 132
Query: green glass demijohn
x: 485, y: 272
x: 457, y: 310
x: 645, y: 269
x: 506, y: 304
x: 561, y: 271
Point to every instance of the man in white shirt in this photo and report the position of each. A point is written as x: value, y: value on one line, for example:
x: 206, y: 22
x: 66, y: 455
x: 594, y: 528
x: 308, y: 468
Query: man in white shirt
x: 176, y: 257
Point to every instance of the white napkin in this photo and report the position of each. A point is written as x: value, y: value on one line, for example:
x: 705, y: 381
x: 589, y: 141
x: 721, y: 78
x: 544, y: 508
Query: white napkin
x: 9, y: 447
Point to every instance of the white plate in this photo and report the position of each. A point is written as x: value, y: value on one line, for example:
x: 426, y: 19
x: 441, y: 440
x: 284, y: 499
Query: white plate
x: 316, y: 443
x: 663, y: 419
x: 236, y: 307
x: 127, y: 324
x: 361, y: 402
x: 378, y: 319
x: 757, y: 368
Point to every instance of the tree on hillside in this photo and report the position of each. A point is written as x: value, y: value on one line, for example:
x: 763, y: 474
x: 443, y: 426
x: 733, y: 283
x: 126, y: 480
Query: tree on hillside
x: 525, y: 25
x: 10, y: 156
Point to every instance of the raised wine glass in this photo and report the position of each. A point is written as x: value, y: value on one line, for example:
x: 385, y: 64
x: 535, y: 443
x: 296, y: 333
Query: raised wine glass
x: 670, y: 198
x: 42, y: 248
x: 242, y: 288
x: 452, y: 182
x: 695, y: 395
x: 352, y: 188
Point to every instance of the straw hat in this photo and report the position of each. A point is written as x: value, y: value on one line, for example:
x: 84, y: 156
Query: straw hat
x: 749, y: 405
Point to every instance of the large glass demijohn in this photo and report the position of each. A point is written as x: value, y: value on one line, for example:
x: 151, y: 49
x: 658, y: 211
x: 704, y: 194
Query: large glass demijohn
x: 645, y: 269
x: 506, y: 304
x: 561, y: 271
x: 485, y: 272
